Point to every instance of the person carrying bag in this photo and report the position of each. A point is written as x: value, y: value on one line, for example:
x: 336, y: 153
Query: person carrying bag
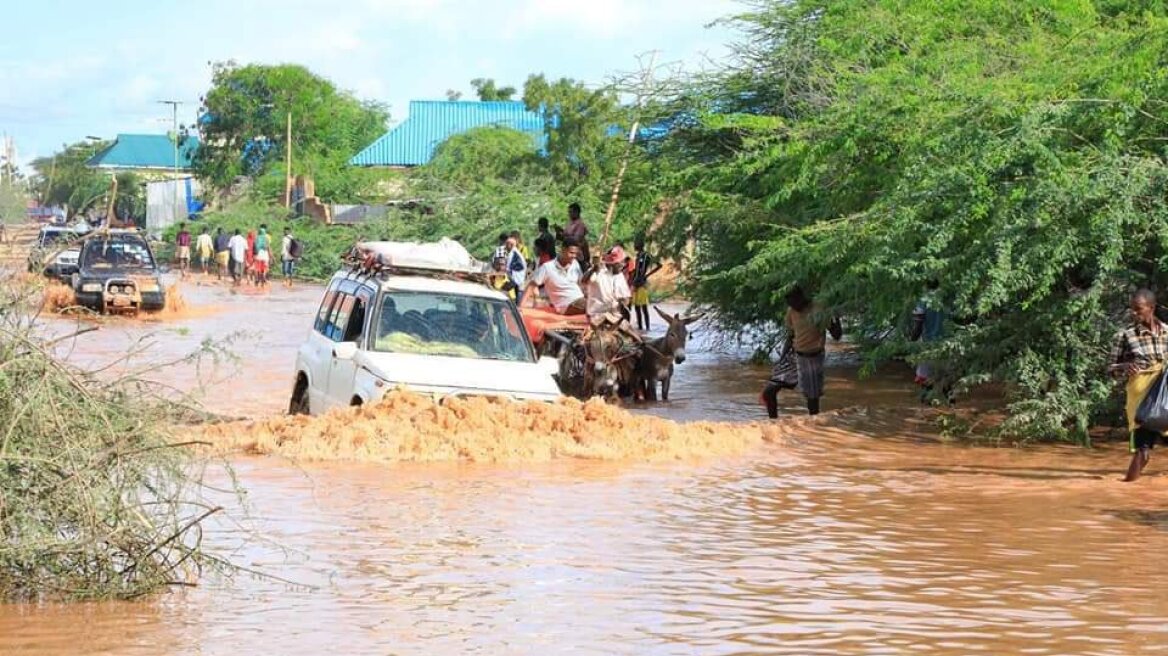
x: 1139, y: 355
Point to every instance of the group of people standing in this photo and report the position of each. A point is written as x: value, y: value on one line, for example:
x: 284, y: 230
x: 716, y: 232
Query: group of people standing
x: 562, y: 267
x: 237, y: 256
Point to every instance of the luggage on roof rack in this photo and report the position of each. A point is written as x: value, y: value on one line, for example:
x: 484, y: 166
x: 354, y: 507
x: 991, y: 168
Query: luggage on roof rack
x: 444, y: 258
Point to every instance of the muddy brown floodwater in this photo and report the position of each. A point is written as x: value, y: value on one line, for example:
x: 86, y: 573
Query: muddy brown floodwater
x: 856, y: 533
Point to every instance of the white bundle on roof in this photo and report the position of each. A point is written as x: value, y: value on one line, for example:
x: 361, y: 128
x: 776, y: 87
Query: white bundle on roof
x: 444, y: 254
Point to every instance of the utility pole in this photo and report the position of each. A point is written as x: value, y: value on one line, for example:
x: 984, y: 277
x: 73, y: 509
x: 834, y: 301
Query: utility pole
x: 8, y: 170
x: 288, y: 165
x: 174, y: 130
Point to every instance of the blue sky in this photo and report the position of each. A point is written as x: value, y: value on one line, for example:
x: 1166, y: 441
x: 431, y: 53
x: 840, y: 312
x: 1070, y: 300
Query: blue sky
x: 69, y: 69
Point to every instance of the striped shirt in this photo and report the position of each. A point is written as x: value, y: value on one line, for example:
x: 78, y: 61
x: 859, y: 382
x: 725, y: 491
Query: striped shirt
x: 1140, y: 345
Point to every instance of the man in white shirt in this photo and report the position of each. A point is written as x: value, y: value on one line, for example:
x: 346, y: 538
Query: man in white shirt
x: 238, y: 249
x: 608, y: 290
x: 560, y: 279
x: 289, y: 253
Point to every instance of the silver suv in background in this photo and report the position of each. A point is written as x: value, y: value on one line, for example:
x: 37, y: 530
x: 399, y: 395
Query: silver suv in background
x: 56, y: 252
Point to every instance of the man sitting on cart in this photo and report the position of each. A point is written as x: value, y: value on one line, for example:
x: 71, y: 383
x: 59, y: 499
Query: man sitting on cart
x: 609, y: 295
x: 561, y: 279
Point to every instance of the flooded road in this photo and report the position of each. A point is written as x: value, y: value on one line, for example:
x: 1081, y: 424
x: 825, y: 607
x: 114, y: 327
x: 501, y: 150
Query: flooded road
x: 858, y: 533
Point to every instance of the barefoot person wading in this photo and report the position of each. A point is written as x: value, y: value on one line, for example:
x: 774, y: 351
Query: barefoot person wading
x: 1139, y: 354
x: 808, y: 325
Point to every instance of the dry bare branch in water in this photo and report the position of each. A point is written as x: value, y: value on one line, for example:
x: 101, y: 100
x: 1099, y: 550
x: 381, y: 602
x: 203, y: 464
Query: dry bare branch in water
x: 97, y: 497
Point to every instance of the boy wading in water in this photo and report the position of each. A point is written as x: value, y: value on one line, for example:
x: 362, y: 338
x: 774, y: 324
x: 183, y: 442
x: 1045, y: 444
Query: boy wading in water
x: 1139, y: 354
x: 808, y: 324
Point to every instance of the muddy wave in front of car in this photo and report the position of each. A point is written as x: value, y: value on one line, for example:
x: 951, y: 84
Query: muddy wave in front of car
x: 407, y: 427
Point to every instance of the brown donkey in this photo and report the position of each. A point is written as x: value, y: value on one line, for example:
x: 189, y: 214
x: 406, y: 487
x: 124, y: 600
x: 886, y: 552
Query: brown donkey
x: 660, y: 355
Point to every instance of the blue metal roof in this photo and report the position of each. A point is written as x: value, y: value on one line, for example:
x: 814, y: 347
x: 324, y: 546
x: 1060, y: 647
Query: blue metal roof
x: 145, y: 151
x: 431, y: 122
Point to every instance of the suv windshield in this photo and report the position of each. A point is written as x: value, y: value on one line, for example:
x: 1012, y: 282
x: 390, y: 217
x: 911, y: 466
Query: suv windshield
x: 116, y: 253
x: 427, y: 323
x: 51, y: 237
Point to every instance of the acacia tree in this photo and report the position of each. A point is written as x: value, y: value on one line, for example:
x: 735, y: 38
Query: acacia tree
x: 1013, y: 153
x: 243, y: 123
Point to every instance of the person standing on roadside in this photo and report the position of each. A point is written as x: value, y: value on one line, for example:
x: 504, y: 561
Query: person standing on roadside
x: 578, y: 233
x: 206, y: 249
x: 545, y: 244
x: 1138, y: 355
x: 640, y: 283
x: 289, y: 253
x: 249, y: 257
x: 808, y: 325
x: 239, y: 250
x: 183, y: 249
x: 263, y: 256
x: 516, y: 267
x: 222, y: 252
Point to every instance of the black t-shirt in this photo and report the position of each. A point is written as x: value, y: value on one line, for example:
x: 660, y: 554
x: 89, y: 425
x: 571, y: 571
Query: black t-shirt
x: 545, y: 244
x: 641, y: 270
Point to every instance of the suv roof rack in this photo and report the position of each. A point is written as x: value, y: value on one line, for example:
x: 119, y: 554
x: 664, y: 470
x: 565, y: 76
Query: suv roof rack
x: 366, y: 263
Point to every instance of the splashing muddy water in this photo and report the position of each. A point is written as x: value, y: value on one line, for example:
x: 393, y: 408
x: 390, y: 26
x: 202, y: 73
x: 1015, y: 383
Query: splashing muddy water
x: 405, y: 427
x: 857, y: 532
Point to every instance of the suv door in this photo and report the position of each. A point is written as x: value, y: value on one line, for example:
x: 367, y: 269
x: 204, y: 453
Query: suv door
x: 317, y: 352
x: 349, y: 327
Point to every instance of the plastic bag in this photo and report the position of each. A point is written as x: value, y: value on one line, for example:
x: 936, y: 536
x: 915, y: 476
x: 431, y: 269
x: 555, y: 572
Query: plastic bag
x: 1152, y: 413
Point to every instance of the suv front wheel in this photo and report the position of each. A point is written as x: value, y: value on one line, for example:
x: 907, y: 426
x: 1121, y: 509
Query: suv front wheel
x: 299, y: 402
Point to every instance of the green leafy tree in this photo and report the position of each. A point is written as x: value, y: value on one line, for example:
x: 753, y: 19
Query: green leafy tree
x: 244, y: 122
x: 483, y: 153
x: 63, y: 179
x: 579, y: 125
x: 478, y: 184
x: 1012, y: 153
x: 486, y: 89
x: 13, y: 200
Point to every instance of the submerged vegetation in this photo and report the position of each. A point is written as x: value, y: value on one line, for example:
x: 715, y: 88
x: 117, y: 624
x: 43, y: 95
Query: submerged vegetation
x: 97, y: 499
x: 1011, y: 155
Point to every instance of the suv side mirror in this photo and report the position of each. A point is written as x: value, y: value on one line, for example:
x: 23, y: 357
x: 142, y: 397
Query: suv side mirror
x: 345, y: 350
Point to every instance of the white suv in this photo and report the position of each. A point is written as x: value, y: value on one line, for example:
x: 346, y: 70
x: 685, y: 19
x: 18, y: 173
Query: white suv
x: 435, y: 335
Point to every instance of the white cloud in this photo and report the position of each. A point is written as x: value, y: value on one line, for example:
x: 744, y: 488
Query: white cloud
x: 596, y: 18
x: 336, y: 37
x: 373, y: 88
x: 138, y: 90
